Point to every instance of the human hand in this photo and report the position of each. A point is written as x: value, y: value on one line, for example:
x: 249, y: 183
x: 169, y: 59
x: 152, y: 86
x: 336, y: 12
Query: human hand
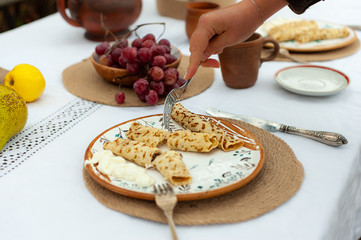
x: 225, y: 27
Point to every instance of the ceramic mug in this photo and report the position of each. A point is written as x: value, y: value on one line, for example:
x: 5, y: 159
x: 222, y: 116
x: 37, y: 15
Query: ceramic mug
x: 99, y: 17
x: 194, y: 12
x: 240, y: 63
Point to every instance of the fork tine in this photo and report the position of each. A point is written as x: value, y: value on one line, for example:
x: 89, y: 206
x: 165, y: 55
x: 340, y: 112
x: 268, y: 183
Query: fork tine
x: 168, y: 107
x: 155, y: 189
x: 172, y: 98
x: 163, y: 188
x: 168, y: 187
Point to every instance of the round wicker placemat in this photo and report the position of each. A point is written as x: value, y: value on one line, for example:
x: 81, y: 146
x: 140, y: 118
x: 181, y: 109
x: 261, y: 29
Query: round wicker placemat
x: 278, y: 181
x: 82, y: 80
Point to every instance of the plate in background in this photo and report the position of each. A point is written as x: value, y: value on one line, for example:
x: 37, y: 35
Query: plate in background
x: 312, y: 80
x: 313, y: 46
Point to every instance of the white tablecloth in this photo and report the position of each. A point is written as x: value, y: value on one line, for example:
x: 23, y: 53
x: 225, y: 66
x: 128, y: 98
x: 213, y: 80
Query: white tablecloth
x: 42, y: 193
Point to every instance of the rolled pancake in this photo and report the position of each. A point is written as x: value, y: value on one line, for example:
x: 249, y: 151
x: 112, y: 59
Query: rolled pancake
x: 137, y: 152
x: 288, y: 31
x: 322, y: 34
x: 170, y: 164
x: 149, y: 135
x: 188, y: 141
x: 196, y: 123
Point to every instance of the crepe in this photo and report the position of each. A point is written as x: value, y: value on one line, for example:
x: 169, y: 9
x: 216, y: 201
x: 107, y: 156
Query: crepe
x: 188, y: 141
x: 196, y: 123
x: 137, y: 152
x: 304, y: 31
x: 149, y: 135
x: 288, y: 31
x: 321, y: 34
x: 170, y: 164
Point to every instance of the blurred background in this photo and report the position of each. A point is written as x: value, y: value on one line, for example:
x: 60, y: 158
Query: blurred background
x: 14, y: 13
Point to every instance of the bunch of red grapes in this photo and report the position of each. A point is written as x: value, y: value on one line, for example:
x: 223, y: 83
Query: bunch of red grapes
x: 144, y: 57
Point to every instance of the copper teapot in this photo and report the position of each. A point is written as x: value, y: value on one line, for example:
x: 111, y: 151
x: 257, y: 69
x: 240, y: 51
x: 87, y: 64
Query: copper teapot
x: 103, y: 20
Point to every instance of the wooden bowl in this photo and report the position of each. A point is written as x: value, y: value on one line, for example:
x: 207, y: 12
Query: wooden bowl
x: 122, y: 77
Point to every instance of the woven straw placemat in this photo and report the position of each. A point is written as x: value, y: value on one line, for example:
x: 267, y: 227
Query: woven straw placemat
x: 82, y: 80
x: 320, y: 56
x: 279, y: 179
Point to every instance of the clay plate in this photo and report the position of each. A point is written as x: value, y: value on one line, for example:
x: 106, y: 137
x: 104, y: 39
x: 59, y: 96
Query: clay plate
x: 314, y: 46
x: 213, y: 173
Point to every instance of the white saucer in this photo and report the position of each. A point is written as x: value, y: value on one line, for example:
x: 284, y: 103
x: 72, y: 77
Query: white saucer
x: 312, y: 80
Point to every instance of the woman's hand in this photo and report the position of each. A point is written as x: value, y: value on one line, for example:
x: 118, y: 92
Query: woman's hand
x: 225, y: 27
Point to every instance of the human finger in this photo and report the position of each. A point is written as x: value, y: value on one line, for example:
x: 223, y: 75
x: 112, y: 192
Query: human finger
x: 198, y: 43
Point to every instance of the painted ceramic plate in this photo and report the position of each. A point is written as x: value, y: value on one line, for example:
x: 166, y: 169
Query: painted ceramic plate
x: 314, y: 46
x: 312, y: 80
x: 213, y: 173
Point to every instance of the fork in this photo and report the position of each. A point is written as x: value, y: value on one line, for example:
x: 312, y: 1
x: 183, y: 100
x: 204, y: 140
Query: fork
x: 285, y: 53
x: 172, y: 98
x: 166, y: 199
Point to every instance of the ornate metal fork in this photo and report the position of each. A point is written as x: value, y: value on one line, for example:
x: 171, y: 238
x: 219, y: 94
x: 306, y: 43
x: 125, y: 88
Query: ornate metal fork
x: 166, y: 199
x: 172, y: 98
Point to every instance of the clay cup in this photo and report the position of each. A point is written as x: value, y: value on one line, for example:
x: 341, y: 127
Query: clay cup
x: 240, y: 63
x: 194, y: 12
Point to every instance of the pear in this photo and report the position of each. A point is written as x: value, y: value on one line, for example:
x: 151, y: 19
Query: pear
x: 13, y: 114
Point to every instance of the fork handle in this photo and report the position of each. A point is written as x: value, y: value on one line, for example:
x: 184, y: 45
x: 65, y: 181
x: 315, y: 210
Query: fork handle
x: 171, y: 225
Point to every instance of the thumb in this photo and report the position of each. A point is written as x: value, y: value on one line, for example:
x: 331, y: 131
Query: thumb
x: 217, y: 44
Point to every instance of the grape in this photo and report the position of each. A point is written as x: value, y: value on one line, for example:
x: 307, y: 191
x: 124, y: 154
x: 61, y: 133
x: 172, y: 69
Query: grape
x: 116, y: 53
x: 181, y: 81
x: 167, y: 49
x: 129, y: 54
x: 121, y: 63
x: 106, y: 60
x: 119, y: 97
x: 133, y: 67
x: 141, y: 96
x: 157, y: 50
x: 151, y: 97
x: 171, y: 87
x: 173, y: 58
x: 164, y: 42
x: 158, y: 87
x: 141, y: 86
x: 144, y: 55
x: 170, y: 76
x: 159, y: 61
x: 156, y: 73
x: 115, y: 65
x: 169, y: 58
x: 101, y: 48
x: 149, y: 36
x: 148, y: 43
x: 123, y: 43
x: 137, y: 43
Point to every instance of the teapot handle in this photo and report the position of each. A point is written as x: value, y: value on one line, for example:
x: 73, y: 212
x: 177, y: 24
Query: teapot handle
x: 60, y: 4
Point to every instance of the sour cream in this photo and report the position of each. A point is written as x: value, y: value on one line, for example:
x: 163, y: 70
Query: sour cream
x: 116, y: 167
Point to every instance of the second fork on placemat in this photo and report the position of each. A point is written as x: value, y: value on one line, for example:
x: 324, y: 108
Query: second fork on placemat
x: 166, y: 199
